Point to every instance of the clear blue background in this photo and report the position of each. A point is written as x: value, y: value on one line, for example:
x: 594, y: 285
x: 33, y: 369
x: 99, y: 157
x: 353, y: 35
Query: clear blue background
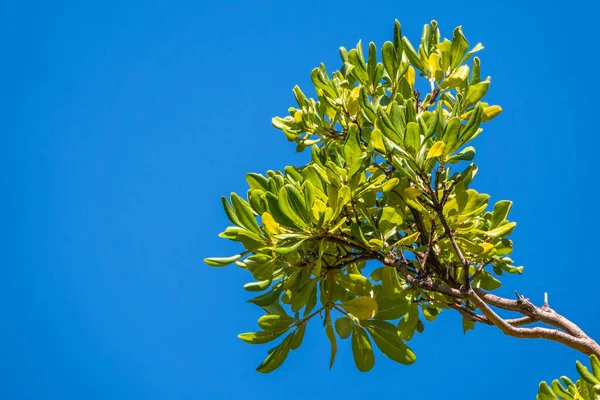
x: 123, y: 123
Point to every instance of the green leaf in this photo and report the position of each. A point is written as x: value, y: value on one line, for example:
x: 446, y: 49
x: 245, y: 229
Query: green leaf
x: 257, y: 286
x: 563, y: 393
x: 360, y: 69
x: 311, y: 303
x: 230, y: 212
x: 297, y: 201
x: 595, y: 365
x: 298, y: 337
x: 275, y: 322
x: 411, y: 54
x: 472, y: 126
x: 337, y: 225
x: 250, y: 240
x: 244, y: 213
x: 362, y: 307
x: 320, y: 81
x: 391, y: 283
x: 257, y: 181
x: 406, y: 326
x: 468, y: 324
x: 287, y: 248
x: 501, y: 210
x: 352, y: 148
x: 459, y: 46
x: 407, y: 240
x: 430, y: 313
x: 344, y: 327
x: 389, y: 220
x: 502, y: 230
x: 277, y: 356
x: 385, y: 336
x: 386, y: 126
x: 332, y: 341
x: 292, y: 205
x: 372, y: 64
x: 261, y: 337
x: 222, y: 261
x: 466, y: 154
x: 412, y: 140
x: 278, y: 215
x: 388, y: 309
x: 366, y: 105
x: 398, y: 38
x: 355, y: 284
x: 478, y: 47
x: 389, y: 185
x: 476, y: 93
x: 268, y: 298
x: 586, y: 375
x: 301, y: 298
x: 362, y: 350
x: 486, y: 281
x: 390, y: 60
x: 451, y: 134
x: 545, y: 393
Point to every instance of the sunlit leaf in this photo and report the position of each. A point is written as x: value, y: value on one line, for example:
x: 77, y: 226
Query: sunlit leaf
x: 362, y: 307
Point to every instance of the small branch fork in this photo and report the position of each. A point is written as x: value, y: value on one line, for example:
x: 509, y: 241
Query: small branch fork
x: 566, y: 333
x: 558, y: 329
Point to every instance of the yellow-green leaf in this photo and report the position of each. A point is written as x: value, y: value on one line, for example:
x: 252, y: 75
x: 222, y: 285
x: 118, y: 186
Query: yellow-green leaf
x: 411, y: 193
x: 436, y: 150
x: 277, y: 357
x: 257, y: 286
x: 410, y: 76
x: 337, y: 225
x: 408, y: 240
x: 389, y: 184
x: 362, y: 307
x: 457, y: 77
x: 356, y: 284
x: 275, y: 322
x: 392, y: 286
x: 270, y: 225
x: 487, y: 249
x: 490, y: 112
x: 502, y: 230
x: 261, y: 337
x: 222, y: 261
x: 434, y: 64
x: 377, y: 139
x: 344, y: 327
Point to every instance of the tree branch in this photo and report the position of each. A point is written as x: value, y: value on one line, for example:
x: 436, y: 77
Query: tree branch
x: 583, y: 344
x: 570, y: 334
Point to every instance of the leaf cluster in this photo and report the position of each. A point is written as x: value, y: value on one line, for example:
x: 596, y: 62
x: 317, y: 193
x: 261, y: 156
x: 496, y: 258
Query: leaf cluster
x: 385, y: 200
x: 587, y: 386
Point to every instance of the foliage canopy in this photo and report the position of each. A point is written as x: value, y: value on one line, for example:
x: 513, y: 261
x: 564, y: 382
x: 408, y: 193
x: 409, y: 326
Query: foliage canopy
x: 382, y: 229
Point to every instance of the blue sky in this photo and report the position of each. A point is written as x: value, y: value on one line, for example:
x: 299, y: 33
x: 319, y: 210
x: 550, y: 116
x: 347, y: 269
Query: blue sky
x: 124, y: 122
